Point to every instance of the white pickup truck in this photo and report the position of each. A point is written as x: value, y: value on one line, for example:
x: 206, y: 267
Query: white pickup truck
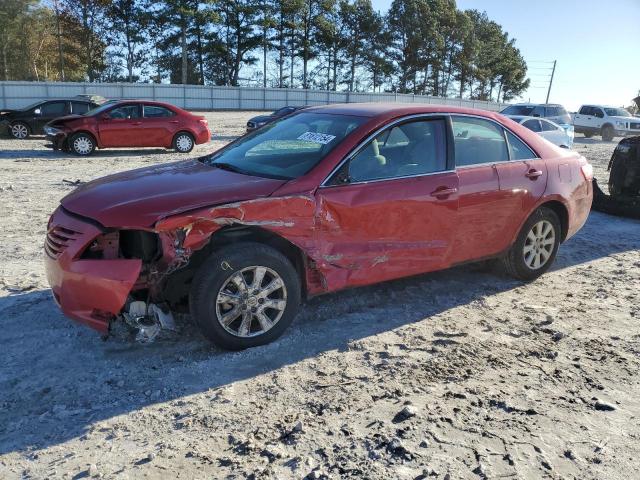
x: 609, y: 122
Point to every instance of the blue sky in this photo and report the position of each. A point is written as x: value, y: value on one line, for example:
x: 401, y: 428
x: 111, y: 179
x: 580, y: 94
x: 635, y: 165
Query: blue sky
x: 596, y: 44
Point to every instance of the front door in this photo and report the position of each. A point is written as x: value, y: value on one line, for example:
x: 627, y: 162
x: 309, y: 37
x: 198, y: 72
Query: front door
x: 120, y: 126
x: 48, y: 112
x: 390, y: 210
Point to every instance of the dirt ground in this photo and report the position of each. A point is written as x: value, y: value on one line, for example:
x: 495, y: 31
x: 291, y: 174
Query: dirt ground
x: 457, y: 374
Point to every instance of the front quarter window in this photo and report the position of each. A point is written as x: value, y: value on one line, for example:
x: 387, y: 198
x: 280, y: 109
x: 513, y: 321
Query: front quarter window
x: 287, y: 148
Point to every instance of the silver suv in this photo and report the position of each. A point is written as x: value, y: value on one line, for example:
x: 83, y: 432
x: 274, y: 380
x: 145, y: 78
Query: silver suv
x: 551, y: 111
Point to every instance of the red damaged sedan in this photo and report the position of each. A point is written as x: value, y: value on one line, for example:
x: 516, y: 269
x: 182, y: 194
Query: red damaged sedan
x: 329, y: 198
x: 128, y: 123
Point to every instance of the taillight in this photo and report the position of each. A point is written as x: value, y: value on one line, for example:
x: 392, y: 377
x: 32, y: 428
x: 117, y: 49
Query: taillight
x: 587, y: 171
x: 203, y: 121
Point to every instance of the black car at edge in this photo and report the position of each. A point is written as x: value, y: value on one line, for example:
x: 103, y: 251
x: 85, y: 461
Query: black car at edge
x: 22, y: 122
x: 262, y: 120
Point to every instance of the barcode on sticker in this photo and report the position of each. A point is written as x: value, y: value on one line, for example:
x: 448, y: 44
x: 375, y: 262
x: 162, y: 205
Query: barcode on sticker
x: 316, y: 137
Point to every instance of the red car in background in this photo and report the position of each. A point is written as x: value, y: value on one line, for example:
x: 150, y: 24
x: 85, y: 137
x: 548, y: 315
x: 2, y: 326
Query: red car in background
x: 328, y: 198
x: 128, y: 123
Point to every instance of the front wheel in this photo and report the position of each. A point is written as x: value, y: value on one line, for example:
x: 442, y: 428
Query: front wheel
x: 608, y: 133
x: 82, y: 144
x: 183, y: 142
x: 19, y: 130
x: 536, y: 246
x: 245, y: 295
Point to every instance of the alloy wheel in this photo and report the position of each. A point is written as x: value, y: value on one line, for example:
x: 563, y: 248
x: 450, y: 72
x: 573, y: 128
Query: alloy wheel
x: 82, y: 146
x: 251, y: 301
x: 539, y: 244
x: 19, y: 131
x: 184, y: 143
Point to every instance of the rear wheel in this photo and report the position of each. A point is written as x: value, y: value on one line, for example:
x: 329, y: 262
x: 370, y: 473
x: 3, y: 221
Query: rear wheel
x: 245, y: 295
x: 183, y: 142
x: 82, y: 144
x: 607, y: 133
x: 19, y: 130
x: 588, y: 134
x: 536, y: 246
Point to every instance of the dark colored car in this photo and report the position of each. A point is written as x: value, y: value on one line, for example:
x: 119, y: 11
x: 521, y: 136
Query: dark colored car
x: 128, y: 123
x: 551, y: 111
x: 31, y: 120
x: 262, y: 120
x: 328, y: 198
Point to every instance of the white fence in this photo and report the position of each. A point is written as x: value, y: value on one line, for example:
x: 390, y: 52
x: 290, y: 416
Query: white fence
x: 196, y: 97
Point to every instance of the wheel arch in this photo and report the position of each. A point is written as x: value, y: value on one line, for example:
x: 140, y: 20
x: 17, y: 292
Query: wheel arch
x: 178, y: 283
x: 561, y: 210
x: 86, y: 132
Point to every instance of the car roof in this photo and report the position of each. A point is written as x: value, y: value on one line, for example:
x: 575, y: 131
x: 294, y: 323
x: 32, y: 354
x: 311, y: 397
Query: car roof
x: 525, y: 104
x: 395, y: 109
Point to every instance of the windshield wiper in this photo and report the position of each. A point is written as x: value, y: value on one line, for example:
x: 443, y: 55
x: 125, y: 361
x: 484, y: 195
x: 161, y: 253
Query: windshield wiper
x: 228, y: 167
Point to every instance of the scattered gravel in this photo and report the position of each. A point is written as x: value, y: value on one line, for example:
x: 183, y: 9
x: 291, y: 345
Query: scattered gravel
x: 492, y: 378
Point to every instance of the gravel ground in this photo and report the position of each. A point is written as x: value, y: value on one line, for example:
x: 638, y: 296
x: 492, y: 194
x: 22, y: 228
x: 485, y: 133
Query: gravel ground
x: 458, y: 374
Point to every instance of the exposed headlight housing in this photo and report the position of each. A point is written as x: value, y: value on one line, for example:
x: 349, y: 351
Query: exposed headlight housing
x: 52, y: 131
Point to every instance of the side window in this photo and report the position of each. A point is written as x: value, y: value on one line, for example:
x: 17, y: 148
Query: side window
x: 154, y: 111
x: 410, y: 149
x: 519, y: 149
x: 552, y: 112
x: 538, y: 112
x: 478, y: 141
x: 547, y: 126
x: 533, y: 125
x: 585, y: 110
x: 125, y: 112
x: 79, y: 108
x: 54, y: 108
x: 597, y: 112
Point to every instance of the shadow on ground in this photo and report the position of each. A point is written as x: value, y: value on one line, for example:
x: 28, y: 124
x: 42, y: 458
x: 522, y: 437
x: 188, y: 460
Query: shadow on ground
x: 57, y: 378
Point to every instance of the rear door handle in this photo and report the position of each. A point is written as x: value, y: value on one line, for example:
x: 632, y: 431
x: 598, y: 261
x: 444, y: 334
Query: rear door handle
x: 174, y: 121
x: 443, y: 192
x: 533, y: 174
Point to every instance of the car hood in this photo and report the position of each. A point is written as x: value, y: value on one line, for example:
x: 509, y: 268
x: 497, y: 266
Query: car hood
x: 261, y: 118
x: 621, y: 119
x: 139, y: 198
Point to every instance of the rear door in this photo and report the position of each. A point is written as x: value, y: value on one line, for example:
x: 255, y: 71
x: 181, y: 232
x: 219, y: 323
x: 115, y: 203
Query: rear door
x: 159, y: 124
x: 479, y: 146
x: 380, y: 218
x: 523, y: 180
x: 120, y: 126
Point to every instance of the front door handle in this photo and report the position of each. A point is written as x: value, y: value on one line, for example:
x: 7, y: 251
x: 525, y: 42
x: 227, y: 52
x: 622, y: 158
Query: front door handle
x: 533, y: 174
x: 443, y: 192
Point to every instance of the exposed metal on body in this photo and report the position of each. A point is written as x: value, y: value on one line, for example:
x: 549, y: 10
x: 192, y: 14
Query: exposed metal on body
x: 538, y: 246
x: 251, y: 301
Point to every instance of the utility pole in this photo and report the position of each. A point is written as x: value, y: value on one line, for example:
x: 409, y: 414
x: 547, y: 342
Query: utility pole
x: 551, y: 81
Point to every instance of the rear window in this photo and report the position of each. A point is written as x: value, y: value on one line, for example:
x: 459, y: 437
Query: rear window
x: 478, y: 141
x: 287, y: 148
x: 54, y: 108
x: 79, y: 108
x: 523, y: 110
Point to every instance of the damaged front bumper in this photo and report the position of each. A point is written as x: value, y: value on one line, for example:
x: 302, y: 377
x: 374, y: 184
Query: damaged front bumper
x: 90, y: 291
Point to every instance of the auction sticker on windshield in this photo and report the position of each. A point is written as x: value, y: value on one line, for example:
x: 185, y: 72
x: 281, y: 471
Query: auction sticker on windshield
x: 322, y: 138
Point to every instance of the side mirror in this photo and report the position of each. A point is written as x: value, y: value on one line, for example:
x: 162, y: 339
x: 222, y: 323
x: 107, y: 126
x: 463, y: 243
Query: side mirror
x: 37, y: 111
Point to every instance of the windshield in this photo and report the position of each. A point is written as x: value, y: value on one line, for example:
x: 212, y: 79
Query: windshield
x: 617, y: 112
x: 524, y: 110
x: 287, y: 148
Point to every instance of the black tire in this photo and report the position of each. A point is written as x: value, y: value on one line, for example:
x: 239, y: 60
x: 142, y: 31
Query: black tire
x: 215, y: 274
x: 183, y: 142
x: 588, y: 134
x: 608, y: 133
x: 82, y: 144
x: 514, y: 261
x: 19, y: 130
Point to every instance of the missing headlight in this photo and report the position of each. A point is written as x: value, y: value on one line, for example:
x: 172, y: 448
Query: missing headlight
x: 139, y: 244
